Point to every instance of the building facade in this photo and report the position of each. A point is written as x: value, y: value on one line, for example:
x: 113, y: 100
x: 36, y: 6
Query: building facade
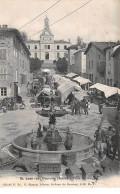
x: 80, y: 62
x: 109, y: 66
x: 71, y: 58
x: 48, y: 49
x: 116, y: 59
x: 14, y: 62
x: 96, y: 61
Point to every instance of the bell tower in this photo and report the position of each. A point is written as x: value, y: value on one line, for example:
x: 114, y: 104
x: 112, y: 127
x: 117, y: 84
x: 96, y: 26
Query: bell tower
x: 47, y: 43
x: 46, y: 23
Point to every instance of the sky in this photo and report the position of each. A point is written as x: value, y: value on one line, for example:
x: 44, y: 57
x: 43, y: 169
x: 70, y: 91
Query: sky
x: 97, y: 21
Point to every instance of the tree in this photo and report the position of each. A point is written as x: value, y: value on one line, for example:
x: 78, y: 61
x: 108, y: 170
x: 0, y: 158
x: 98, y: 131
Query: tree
x: 24, y: 36
x: 62, y: 65
x: 80, y: 42
x: 35, y: 64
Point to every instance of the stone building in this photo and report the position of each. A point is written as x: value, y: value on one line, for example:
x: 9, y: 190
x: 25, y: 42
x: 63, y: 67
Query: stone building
x: 14, y: 62
x: 109, y: 66
x: 80, y: 62
x: 47, y: 49
x: 71, y: 58
x: 116, y: 59
x: 96, y: 61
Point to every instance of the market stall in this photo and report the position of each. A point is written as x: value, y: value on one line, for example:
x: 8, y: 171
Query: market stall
x: 82, y: 81
x: 107, y: 90
x: 71, y: 75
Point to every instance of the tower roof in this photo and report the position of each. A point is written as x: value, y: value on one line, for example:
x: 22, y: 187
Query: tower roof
x: 46, y: 30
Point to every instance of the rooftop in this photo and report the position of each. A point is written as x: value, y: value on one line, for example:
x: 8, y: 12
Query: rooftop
x: 80, y: 50
x: 5, y: 30
x: 61, y: 42
x: 100, y: 45
x: 33, y: 41
x: 73, y: 47
x: 116, y: 50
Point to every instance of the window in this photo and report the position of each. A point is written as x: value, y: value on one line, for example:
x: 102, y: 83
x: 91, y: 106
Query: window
x: 3, y: 91
x: 47, y: 46
x: 58, y: 47
x: 89, y: 64
x: 3, y: 74
x: 92, y: 64
x: 35, y: 47
x: 99, y: 56
x: 28, y: 46
x: 23, y: 64
x: 108, y: 82
x: 35, y: 55
x: 65, y: 47
x: 111, y: 81
x: 2, y: 54
x: 2, y: 37
x: 58, y: 55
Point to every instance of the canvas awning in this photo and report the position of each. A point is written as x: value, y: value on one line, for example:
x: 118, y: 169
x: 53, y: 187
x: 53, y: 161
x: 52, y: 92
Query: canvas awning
x: 80, y: 95
x: 62, y: 80
x: 66, y: 88
x: 108, y: 91
x: 65, y: 91
x: 45, y: 91
x: 70, y: 75
x: 82, y: 80
x: 56, y: 77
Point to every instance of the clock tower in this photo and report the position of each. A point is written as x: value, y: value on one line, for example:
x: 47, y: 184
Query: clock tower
x: 47, y: 43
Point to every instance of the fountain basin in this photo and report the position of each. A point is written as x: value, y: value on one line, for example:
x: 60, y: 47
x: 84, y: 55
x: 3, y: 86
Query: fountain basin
x: 58, y: 113
x: 83, y: 147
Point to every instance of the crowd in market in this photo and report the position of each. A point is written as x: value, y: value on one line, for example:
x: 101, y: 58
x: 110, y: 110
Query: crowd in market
x: 80, y: 107
x: 106, y: 142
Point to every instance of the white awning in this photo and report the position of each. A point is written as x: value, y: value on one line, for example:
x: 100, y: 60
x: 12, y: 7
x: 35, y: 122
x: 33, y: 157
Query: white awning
x: 46, y: 70
x: 66, y: 88
x: 80, y: 95
x: 70, y: 75
x: 56, y: 77
x: 82, y: 80
x: 62, y: 80
x: 45, y: 91
x: 108, y: 91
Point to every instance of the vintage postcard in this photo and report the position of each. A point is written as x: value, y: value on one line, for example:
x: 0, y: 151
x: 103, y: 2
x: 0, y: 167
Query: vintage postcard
x: 59, y: 94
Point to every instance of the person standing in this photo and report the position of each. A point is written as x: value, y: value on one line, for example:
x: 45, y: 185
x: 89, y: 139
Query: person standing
x: 89, y: 105
x: 99, y: 141
x: 86, y: 108
x: 109, y: 133
x: 114, y: 141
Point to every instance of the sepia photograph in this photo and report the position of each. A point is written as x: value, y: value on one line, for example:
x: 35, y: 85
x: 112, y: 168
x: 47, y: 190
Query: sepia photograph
x: 59, y: 94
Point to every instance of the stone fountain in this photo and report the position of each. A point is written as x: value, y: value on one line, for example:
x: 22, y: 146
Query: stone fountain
x: 51, y: 148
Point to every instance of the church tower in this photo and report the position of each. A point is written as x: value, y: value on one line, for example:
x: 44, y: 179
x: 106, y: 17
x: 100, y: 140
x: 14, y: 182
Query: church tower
x: 47, y: 43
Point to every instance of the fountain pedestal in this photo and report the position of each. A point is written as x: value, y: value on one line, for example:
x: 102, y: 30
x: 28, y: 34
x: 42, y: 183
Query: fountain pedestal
x: 68, y: 159
x: 50, y: 164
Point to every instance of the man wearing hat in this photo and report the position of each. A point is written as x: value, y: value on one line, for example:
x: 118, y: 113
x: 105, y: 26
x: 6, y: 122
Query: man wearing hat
x: 99, y: 141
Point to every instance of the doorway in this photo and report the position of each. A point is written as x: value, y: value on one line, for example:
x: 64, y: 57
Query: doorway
x: 47, y: 56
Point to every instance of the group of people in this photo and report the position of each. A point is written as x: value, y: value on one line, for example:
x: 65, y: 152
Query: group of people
x: 106, y: 142
x: 79, y: 107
